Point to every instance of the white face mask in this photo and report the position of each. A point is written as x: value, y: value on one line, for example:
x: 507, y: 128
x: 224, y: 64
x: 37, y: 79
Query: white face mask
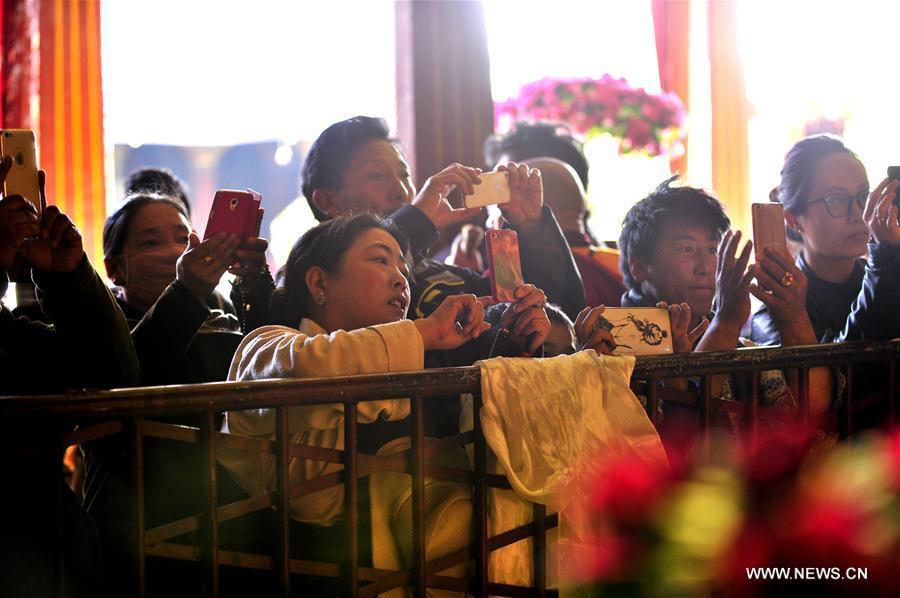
x: 148, y: 272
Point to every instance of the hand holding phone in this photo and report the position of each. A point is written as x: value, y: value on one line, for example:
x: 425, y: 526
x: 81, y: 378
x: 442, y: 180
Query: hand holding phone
x: 768, y: 228
x: 637, y: 330
x: 505, y: 265
x: 22, y: 178
x: 893, y: 173
x: 234, y: 212
x: 493, y: 189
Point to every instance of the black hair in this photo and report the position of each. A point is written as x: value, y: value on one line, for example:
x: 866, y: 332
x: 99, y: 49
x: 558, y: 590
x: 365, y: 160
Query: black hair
x: 324, y: 246
x: 556, y: 314
x: 797, y: 173
x: 331, y: 153
x: 159, y: 181
x: 538, y: 140
x: 644, y: 222
x: 115, y: 229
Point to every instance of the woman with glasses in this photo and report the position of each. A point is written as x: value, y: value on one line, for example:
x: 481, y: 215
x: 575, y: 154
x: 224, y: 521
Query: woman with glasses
x: 831, y: 214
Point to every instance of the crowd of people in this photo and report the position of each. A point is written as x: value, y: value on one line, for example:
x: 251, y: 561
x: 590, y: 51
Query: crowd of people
x: 363, y: 293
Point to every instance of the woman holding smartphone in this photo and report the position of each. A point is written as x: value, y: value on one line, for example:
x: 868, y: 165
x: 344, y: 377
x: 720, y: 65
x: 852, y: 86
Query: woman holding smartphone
x: 165, y: 278
x: 831, y: 213
x: 343, y: 306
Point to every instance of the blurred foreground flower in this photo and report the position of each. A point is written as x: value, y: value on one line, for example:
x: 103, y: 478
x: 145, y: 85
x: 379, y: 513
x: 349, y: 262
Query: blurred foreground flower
x: 778, y: 503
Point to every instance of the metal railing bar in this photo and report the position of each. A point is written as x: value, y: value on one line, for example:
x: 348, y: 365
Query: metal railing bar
x: 753, y: 403
x: 539, y: 548
x: 210, y: 512
x: 351, y: 498
x: 262, y: 562
x: 223, y: 513
x: 847, y: 424
x: 479, y: 502
x: 676, y: 395
x: 89, y: 433
x: 418, y: 494
x: 706, y: 413
x: 803, y: 395
x: 653, y: 400
x: 322, y: 482
x: 225, y: 396
x: 371, y: 464
x: 717, y: 404
x: 519, y: 533
x: 283, y: 501
x: 236, y: 396
x: 138, y: 481
x: 891, y: 392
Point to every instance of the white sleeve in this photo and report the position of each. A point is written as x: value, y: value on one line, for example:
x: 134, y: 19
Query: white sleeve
x: 280, y: 352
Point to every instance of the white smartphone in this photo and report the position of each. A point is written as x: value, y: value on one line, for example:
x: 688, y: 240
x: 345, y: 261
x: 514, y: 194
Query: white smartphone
x: 638, y: 330
x: 23, y: 177
x: 493, y: 189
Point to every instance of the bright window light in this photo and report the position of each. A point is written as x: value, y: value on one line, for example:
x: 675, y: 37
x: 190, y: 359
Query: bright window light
x: 219, y: 72
x: 831, y: 60
x: 531, y: 40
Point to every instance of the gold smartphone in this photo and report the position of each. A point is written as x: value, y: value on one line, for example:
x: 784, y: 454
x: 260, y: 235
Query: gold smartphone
x: 23, y: 176
x: 768, y: 228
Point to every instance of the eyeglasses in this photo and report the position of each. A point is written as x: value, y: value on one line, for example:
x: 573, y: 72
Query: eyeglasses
x: 840, y: 204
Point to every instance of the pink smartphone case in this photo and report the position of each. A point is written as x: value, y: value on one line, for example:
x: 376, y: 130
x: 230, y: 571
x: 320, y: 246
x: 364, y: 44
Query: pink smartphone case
x: 504, y: 263
x: 234, y: 212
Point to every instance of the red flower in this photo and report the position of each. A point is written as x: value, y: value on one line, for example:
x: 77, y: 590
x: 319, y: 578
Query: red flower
x: 639, y: 133
x: 627, y: 490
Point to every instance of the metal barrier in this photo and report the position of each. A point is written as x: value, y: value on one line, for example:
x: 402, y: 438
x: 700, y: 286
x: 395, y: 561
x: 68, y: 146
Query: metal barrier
x: 132, y: 411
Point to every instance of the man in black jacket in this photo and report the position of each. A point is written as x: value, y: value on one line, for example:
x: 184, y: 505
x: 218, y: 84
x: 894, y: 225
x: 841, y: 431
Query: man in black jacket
x: 355, y: 166
x: 88, y: 346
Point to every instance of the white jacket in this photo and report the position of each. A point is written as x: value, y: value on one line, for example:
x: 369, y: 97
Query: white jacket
x: 281, y: 352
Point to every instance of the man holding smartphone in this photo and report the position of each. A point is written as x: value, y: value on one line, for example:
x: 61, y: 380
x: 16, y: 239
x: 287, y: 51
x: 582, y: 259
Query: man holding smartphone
x: 355, y: 165
x: 89, y: 346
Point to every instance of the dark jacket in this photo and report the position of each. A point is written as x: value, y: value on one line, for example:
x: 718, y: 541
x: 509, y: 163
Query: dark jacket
x: 546, y: 263
x: 862, y: 308
x: 875, y: 313
x: 88, y: 346
x: 177, y: 342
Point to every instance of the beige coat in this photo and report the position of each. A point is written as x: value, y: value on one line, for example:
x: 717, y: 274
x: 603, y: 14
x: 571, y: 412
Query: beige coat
x: 281, y: 352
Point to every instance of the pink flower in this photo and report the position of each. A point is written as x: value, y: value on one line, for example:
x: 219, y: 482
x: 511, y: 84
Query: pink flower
x: 639, y: 133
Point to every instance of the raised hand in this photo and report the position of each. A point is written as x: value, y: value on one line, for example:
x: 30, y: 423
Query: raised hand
x: 58, y: 246
x: 458, y: 319
x: 683, y: 339
x: 526, y: 197
x: 733, y: 280
x: 526, y: 319
x: 202, y: 265
x: 781, y: 285
x: 880, y: 213
x: 250, y: 257
x: 18, y: 221
x: 589, y: 332
x: 432, y: 199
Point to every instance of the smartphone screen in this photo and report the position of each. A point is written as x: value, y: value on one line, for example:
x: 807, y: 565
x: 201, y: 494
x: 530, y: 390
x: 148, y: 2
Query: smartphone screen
x: 23, y: 177
x: 768, y: 228
x: 506, y: 267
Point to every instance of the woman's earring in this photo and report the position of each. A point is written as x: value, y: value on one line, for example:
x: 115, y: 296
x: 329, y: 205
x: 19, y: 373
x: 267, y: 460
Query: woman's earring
x: 320, y: 298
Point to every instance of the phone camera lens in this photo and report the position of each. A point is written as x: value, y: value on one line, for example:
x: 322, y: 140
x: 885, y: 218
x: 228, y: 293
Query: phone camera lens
x: 234, y: 203
x: 20, y: 158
